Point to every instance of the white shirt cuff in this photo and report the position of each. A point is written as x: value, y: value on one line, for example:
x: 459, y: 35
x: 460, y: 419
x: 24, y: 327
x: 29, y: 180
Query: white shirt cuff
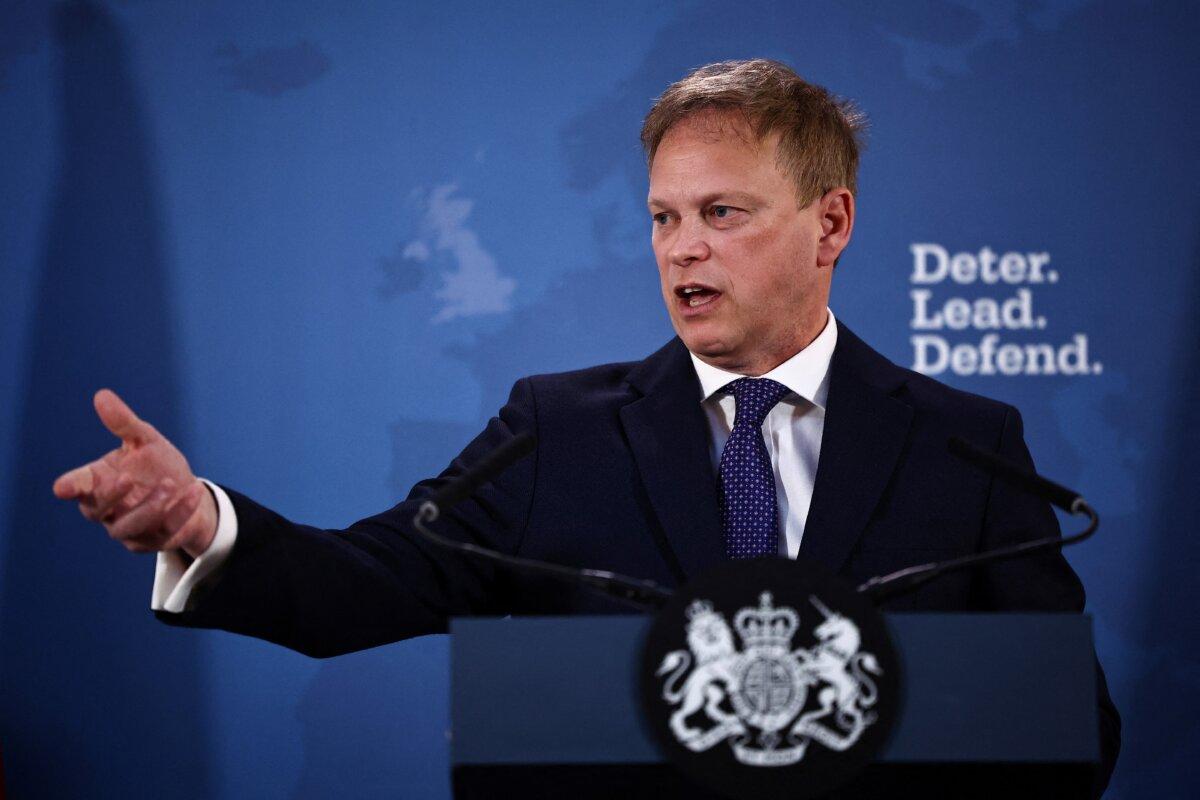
x: 175, y: 578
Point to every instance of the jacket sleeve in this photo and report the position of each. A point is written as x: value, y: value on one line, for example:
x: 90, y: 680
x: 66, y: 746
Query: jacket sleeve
x: 1044, y: 582
x: 326, y: 592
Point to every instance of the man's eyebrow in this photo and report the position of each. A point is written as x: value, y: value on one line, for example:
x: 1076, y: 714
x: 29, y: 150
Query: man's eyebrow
x: 709, y: 198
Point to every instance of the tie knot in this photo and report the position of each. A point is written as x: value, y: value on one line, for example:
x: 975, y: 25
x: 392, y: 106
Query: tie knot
x: 754, y: 398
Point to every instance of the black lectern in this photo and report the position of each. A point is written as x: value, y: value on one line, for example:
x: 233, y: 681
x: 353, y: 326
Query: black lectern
x: 993, y: 705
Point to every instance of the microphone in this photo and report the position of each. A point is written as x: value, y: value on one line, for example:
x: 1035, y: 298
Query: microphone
x: 1015, y: 474
x: 636, y: 591
x: 1035, y: 484
x: 489, y: 468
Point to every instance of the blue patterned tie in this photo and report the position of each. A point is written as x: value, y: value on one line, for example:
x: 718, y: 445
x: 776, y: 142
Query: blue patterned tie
x: 748, y: 511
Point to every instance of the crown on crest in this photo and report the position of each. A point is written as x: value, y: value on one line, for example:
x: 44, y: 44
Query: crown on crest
x: 766, y: 626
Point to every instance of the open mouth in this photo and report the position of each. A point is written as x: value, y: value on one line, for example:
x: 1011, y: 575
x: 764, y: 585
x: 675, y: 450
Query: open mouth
x: 694, y: 295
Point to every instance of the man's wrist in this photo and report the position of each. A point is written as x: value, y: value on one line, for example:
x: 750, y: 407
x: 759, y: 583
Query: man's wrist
x: 177, y: 575
x: 207, y: 524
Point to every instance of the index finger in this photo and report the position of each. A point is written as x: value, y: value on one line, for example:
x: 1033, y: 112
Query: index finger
x: 120, y: 419
x: 77, y: 482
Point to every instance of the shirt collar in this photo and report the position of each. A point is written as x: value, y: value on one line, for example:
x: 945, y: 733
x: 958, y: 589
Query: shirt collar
x: 805, y: 374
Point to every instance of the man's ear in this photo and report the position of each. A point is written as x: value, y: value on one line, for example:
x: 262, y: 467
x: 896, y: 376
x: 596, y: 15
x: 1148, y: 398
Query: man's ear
x: 837, y: 223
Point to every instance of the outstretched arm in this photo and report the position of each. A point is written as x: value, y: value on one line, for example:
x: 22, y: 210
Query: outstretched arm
x: 321, y: 592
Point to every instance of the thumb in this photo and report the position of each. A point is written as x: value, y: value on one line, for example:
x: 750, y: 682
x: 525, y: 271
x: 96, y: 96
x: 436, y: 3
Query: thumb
x: 120, y: 419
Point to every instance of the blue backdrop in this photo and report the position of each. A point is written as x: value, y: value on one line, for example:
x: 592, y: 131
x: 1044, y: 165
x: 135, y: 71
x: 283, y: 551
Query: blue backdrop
x: 315, y: 243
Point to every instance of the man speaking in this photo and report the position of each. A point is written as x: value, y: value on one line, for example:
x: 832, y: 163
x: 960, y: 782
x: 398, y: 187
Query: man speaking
x: 766, y: 427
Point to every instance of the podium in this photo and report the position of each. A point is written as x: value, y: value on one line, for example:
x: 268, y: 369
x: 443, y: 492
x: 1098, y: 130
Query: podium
x: 992, y: 705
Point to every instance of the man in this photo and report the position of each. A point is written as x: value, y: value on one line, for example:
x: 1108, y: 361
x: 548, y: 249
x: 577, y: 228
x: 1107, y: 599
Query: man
x: 765, y: 427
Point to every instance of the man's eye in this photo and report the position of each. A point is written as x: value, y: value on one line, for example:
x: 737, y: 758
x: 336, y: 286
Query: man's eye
x: 662, y: 218
x: 722, y: 212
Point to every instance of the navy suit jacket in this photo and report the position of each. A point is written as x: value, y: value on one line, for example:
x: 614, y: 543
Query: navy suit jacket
x: 622, y: 480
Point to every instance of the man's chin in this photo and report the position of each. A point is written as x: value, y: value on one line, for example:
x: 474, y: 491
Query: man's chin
x: 711, y: 349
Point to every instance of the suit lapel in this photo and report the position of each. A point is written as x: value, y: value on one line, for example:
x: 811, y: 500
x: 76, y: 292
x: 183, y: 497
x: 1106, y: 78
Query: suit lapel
x: 669, y: 437
x: 865, y: 430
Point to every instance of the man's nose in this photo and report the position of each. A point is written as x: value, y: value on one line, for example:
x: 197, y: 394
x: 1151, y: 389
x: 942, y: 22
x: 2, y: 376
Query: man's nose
x: 690, y: 244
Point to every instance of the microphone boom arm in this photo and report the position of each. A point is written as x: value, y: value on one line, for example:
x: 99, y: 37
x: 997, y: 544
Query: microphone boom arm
x: 912, y: 577
x: 635, y: 591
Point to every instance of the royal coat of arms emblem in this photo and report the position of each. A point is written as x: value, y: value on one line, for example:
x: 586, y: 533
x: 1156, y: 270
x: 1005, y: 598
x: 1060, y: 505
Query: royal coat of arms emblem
x: 770, y: 700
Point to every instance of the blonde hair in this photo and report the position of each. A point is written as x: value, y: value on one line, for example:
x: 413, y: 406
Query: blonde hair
x: 820, y: 134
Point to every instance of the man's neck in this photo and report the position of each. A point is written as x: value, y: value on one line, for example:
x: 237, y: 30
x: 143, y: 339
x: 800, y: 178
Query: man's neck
x: 806, y: 374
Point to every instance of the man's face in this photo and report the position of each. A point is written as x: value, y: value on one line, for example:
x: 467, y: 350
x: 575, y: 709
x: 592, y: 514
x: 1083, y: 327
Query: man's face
x: 737, y: 258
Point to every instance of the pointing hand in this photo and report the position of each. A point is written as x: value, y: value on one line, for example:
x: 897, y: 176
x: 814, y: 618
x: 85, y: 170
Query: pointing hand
x: 144, y: 492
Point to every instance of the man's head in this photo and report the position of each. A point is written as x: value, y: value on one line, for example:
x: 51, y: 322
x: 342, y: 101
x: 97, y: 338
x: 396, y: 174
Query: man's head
x: 752, y: 179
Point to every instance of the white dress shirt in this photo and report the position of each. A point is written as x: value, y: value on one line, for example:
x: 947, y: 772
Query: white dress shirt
x: 792, y: 431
